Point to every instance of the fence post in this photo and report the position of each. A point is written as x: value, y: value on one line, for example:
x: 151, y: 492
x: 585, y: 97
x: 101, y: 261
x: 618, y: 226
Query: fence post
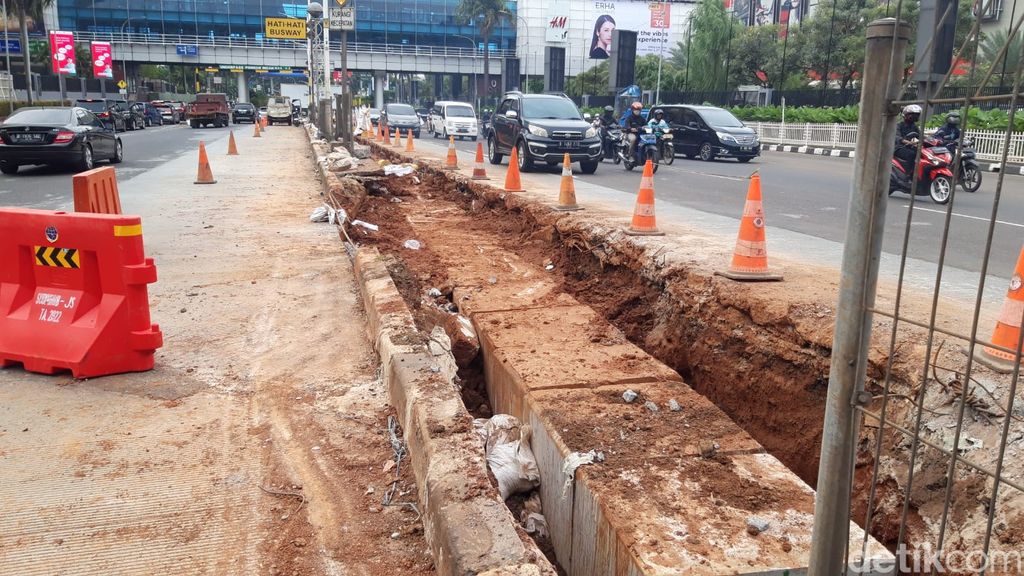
x: 835, y: 135
x: 876, y: 129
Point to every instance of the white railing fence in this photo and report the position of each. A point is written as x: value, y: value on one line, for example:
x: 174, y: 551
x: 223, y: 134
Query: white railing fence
x: 987, y: 143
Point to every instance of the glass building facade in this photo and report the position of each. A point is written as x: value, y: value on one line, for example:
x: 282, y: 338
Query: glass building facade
x: 409, y: 22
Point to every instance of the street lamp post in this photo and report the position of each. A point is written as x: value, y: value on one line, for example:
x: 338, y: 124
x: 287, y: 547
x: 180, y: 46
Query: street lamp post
x: 319, y: 59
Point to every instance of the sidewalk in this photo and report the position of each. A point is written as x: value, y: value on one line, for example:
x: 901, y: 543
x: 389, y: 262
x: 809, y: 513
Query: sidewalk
x: 258, y: 445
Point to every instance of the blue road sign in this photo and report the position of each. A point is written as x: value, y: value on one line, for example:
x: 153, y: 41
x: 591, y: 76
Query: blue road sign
x: 187, y: 50
x: 12, y: 46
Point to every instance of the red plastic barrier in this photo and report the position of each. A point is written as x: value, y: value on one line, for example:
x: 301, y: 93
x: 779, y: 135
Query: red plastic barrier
x: 73, y: 293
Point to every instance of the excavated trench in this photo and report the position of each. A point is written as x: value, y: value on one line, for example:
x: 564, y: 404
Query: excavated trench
x: 763, y: 362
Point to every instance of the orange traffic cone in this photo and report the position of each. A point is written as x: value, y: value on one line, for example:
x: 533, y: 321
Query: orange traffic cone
x: 204, y: 175
x: 398, y: 138
x: 256, y: 130
x: 408, y: 141
x: 452, y: 161
x: 232, y: 149
x: 512, y: 183
x: 479, y: 173
x: 643, y: 223
x: 387, y: 135
x: 750, y: 259
x: 567, y: 189
x: 1007, y: 330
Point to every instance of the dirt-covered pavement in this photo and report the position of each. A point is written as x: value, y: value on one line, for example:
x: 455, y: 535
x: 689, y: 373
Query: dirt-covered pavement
x: 259, y: 444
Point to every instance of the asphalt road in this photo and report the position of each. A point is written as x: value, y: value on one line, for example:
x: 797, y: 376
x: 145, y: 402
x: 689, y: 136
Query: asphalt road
x: 49, y: 187
x: 810, y: 195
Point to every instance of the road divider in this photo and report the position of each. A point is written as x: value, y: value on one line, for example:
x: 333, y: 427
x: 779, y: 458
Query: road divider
x: 96, y: 191
x: 73, y: 293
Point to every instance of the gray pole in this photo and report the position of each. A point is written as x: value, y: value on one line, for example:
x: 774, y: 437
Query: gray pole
x: 7, y: 45
x: 865, y: 224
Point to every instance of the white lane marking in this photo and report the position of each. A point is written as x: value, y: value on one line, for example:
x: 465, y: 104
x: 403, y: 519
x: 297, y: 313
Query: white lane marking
x: 698, y: 173
x: 1003, y: 222
x: 793, y: 216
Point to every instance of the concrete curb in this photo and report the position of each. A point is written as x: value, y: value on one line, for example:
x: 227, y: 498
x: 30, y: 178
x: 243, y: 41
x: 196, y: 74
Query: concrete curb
x: 1015, y: 169
x: 469, y: 529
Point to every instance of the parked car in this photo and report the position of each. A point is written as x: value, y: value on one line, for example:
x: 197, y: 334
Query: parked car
x: 105, y: 110
x: 68, y: 135
x: 243, y: 112
x: 542, y: 127
x: 178, y: 107
x: 279, y: 111
x: 402, y: 117
x: 167, y: 112
x: 453, y: 119
x: 133, y: 120
x: 709, y: 132
x: 151, y: 116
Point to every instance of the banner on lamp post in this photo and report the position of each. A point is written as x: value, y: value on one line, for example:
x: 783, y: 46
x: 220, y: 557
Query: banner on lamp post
x: 62, y: 52
x: 102, y: 60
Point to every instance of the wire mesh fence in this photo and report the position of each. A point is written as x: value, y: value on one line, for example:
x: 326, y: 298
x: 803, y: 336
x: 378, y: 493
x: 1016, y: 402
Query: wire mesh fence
x: 925, y: 422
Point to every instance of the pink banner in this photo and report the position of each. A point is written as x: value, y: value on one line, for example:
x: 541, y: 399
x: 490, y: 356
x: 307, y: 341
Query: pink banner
x: 62, y: 52
x: 102, y: 58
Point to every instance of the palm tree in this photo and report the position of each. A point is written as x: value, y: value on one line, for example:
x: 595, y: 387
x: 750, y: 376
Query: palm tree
x: 989, y: 50
x: 25, y: 9
x: 486, y: 14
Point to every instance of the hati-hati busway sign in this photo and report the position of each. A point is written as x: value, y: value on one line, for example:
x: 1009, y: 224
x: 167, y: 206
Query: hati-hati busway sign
x: 285, y: 28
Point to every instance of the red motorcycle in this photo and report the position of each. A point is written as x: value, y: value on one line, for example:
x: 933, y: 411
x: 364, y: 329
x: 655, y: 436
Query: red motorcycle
x: 934, y: 178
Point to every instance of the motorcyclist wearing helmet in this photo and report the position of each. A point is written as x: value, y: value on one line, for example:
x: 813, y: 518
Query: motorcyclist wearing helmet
x: 657, y: 120
x: 949, y: 132
x: 907, y: 134
x: 633, y: 124
x: 608, y: 118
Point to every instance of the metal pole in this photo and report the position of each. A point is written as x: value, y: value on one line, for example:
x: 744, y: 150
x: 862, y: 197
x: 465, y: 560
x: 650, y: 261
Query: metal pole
x: 828, y: 54
x: 661, y: 58
x: 876, y: 130
x: 689, y: 42
x: 7, y: 44
x: 346, y: 94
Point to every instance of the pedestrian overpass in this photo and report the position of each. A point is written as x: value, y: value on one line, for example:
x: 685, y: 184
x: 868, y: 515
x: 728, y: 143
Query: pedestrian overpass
x: 257, y: 54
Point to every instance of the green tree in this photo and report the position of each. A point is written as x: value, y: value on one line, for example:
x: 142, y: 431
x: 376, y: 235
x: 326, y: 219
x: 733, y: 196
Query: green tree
x: 24, y: 10
x: 752, y: 49
x: 486, y: 15
x: 708, y: 46
x: 593, y: 81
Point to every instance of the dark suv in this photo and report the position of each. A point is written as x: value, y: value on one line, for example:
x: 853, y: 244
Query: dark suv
x: 542, y: 127
x: 710, y: 132
x: 243, y: 112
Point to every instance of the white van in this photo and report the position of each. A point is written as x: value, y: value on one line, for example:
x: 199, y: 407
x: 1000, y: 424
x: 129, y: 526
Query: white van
x: 453, y: 119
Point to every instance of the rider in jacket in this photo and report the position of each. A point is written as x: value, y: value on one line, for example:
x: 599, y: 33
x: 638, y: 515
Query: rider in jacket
x: 633, y: 124
x: 907, y: 133
x: 949, y: 133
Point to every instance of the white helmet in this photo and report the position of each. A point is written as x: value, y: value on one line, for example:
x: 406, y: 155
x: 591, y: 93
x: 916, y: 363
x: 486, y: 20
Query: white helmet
x: 911, y: 109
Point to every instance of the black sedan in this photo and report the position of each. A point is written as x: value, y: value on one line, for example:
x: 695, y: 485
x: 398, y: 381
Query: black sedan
x: 69, y: 136
x: 243, y: 112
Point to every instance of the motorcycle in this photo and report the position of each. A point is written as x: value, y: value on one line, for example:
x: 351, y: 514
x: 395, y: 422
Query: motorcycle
x: 668, y: 148
x: 611, y: 136
x: 970, y: 173
x: 934, y: 178
x: 646, y: 149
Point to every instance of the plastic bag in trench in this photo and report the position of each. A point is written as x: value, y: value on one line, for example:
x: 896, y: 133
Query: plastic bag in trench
x: 507, y: 447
